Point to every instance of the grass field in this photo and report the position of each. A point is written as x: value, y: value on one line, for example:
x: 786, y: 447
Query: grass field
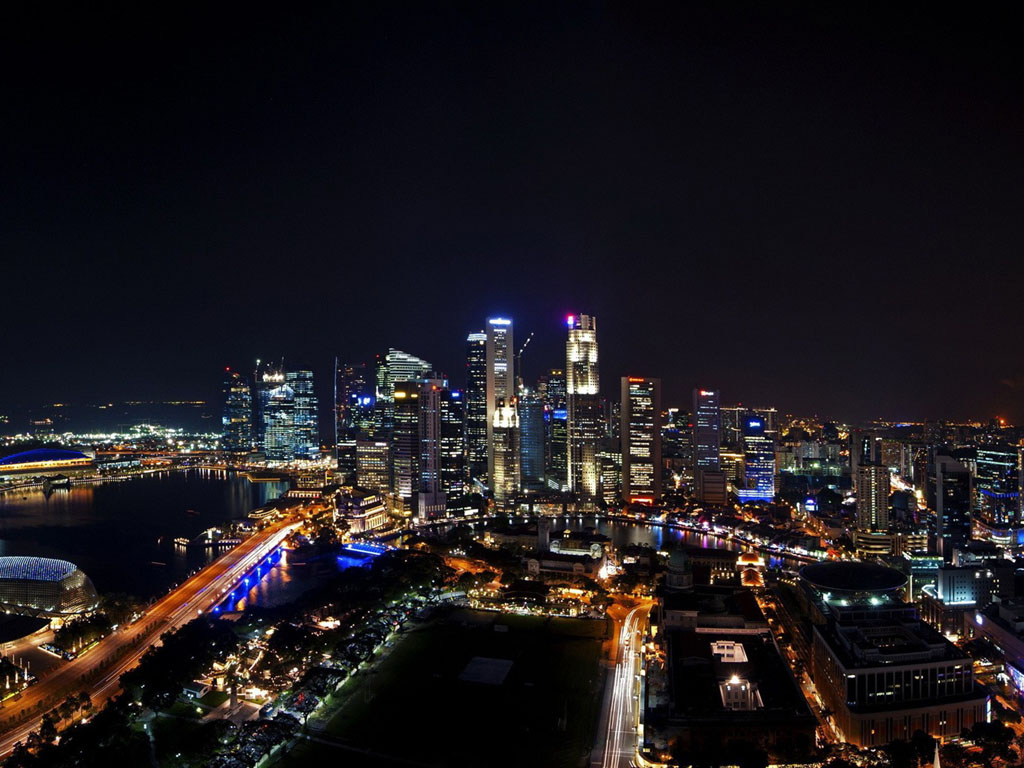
x: 414, y: 709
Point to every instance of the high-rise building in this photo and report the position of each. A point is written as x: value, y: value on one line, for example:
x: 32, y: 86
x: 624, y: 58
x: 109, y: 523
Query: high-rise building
x: 266, y: 378
x: 758, y: 463
x: 641, y: 439
x: 430, y: 495
x: 353, y: 398
x: 394, y: 366
x: 707, y: 429
x: 733, y: 418
x: 872, y: 486
x: 586, y: 418
x: 531, y: 439
x: 556, y: 472
x: 996, y: 485
x: 501, y: 379
x: 476, y: 405
x: 949, y: 492
x: 405, y: 442
x: 278, y: 420
x: 305, y: 418
x: 373, y: 465
x: 237, y: 418
x: 416, y: 447
x: 505, y: 451
x: 453, y: 448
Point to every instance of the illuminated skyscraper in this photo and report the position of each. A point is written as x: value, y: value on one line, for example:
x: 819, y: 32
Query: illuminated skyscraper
x: 531, y: 439
x: 305, y: 418
x: 416, y: 447
x: 476, y: 405
x: 996, y: 485
x: 237, y: 417
x: 586, y: 419
x: 706, y: 429
x: 759, y: 463
x: 500, y: 378
x: 949, y: 485
x: 872, y: 486
x: 453, y: 447
x: 505, y: 450
x: 266, y: 378
x: 353, y: 412
x: 641, y: 439
x: 392, y: 367
x: 278, y: 419
x: 353, y: 398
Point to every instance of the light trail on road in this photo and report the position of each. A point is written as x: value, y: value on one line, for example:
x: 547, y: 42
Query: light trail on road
x: 621, y: 742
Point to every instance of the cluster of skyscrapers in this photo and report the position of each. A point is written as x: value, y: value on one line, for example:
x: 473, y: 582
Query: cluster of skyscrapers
x: 427, y: 442
x: 273, y: 413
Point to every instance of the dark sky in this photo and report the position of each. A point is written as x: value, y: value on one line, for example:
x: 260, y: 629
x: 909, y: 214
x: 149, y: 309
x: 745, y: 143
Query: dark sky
x: 817, y: 211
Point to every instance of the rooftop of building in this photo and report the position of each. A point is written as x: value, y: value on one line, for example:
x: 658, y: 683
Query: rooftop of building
x: 697, y: 672
x: 35, y: 568
x: 41, y: 454
x: 885, y: 642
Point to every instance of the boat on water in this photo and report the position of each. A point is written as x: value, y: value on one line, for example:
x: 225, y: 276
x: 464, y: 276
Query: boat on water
x: 56, y: 481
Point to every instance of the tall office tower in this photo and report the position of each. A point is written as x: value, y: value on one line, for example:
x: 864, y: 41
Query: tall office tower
x: 353, y: 412
x: 278, y: 419
x: 586, y: 418
x: 405, y: 441
x: 551, y: 387
x: 392, y: 367
x: 770, y: 417
x: 266, y: 378
x: 557, y: 470
x: 476, y: 405
x: 707, y: 429
x: 373, y: 465
x: 453, y: 447
x: 531, y: 439
x: 997, y: 484
x: 758, y: 463
x: 706, y: 426
x: 641, y: 440
x: 501, y: 378
x: 237, y: 418
x: 430, y: 496
x: 949, y: 494
x: 305, y: 420
x: 505, y: 450
x: 733, y: 417
x: 865, y: 448
x: 353, y: 398
x: 872, y: 485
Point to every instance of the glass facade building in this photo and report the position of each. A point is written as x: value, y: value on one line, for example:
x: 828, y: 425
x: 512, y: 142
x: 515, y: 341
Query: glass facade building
x: 759, y: 463
x: 236, y: 420
x: 476, y: 404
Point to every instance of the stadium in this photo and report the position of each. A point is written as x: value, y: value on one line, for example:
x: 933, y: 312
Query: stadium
x: 44, y: 588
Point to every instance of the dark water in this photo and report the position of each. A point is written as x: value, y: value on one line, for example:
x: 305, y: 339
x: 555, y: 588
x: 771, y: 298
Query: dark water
x: 122, y: 533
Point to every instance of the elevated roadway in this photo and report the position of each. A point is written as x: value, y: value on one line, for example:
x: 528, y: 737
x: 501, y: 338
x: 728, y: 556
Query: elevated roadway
x: 98, y: 671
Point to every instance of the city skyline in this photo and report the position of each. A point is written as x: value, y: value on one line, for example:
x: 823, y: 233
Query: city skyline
x: 836, y: 193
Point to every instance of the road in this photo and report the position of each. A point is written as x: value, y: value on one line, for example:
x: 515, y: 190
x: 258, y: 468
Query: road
x: 122, y: 650
x: 623, y: 716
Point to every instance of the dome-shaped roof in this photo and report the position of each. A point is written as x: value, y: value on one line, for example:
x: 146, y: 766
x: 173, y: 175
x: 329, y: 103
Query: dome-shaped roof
x: 41, y: 454
x: 852, y: 577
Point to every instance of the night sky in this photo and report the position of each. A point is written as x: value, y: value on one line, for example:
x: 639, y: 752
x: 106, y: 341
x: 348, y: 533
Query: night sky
x: 816, y: 211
